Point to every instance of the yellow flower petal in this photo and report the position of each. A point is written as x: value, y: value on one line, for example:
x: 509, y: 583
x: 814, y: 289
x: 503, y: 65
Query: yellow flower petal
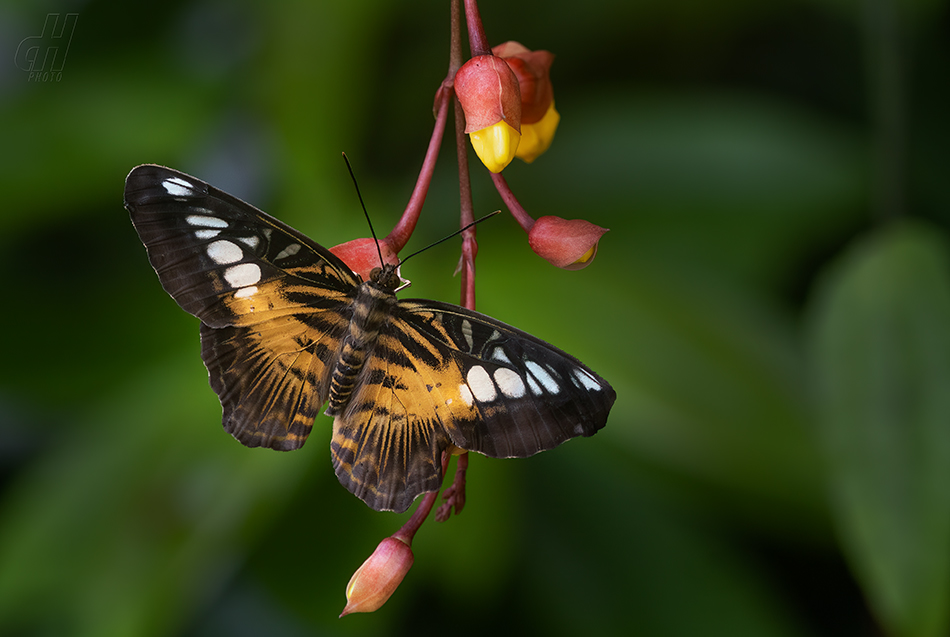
x: 587, y: 256
x: 496, y: 145
x: 537, y: 137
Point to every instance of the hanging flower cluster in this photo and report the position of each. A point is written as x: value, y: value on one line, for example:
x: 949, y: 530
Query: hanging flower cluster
x: 505, y: 105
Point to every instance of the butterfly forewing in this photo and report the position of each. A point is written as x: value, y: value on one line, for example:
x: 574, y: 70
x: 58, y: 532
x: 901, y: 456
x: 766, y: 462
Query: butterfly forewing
x: 412, y: 380
x: 213, y: 251
x: 273, y: 304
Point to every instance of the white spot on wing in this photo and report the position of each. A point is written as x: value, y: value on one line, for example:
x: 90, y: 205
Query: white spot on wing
x: 206, y: 221
x: 207, y: 234
x: 466, y: 394
x: 481, y: 384
x: 498, y: 354
x: 467, y: 333
x: 509, y: 382
x: 534, y: 386
x: 224, y: 252
x: 177, y: 187
x: 586, y: 379
x: 243, y: 275
x: 251, y: 241
x: 289, y: 251
x: 243, y: 293
x: 544, y: 377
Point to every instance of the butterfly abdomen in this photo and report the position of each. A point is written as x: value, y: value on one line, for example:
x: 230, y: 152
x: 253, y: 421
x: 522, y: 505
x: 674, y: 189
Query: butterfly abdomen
x: 370, y: 309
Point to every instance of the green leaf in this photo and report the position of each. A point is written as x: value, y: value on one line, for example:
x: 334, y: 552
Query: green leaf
x: 880, y: 338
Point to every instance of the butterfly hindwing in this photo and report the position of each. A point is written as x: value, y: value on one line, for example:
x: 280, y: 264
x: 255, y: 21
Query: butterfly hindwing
x: 387, y: 445
x: 516, y: 395
x: 273, y: 304
x: 472, y: 382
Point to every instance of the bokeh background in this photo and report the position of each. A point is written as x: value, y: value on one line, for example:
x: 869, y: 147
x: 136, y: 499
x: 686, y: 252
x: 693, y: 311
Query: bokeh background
x: 772, y: 305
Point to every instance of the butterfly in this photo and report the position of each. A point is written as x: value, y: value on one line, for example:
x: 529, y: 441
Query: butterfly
x: 286, y: 327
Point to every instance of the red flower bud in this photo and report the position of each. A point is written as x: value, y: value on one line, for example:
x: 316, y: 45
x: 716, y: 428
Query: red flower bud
x: 539, y: 119
x: 361, y: 257
x: 570, y: 244
x: 378, y: 577
x: 533, y: 70
x: 488, y: 92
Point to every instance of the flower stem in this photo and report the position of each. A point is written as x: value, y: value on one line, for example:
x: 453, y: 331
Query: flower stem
x: 408, y: 530
x: 476, y: 32
x: 454, y: 496
x: 467, y: 209
x: 467, y: 216
x: 400, y: 234
x: 455, y: 40
x: 517, y: 210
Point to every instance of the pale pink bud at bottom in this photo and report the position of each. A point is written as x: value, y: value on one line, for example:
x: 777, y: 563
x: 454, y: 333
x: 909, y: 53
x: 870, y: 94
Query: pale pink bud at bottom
x: 378, y: 577
x: 570, y: 244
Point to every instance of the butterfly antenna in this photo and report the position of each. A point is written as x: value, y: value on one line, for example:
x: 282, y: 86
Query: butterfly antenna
x: 366, y: 214
x: 456, y: 233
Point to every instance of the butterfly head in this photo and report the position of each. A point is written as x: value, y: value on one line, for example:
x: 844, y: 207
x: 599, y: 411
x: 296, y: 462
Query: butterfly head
x: 388, y: 278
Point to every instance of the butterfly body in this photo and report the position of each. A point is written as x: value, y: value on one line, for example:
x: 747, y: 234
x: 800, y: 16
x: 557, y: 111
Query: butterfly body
x: 286, y: 327
x: 371, y: 306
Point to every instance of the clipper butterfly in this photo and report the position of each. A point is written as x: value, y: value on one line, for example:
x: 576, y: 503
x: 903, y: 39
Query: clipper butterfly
x: 286, y: 327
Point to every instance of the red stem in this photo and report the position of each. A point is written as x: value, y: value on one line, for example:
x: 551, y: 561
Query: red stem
x: 467, y: 209
x: 476, y: 32
x: 467, y: 216
x: 454, y: 496
x: 408, y: 530
x: 517, y: 210
x: 400, y: 234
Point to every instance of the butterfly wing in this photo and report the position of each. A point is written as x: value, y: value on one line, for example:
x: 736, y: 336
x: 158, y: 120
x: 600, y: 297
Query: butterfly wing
x: 441, y: 377
x: 273, y: 304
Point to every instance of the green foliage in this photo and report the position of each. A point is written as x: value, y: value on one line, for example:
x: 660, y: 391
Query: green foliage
x: 772, y: 305
x: 882, y: 364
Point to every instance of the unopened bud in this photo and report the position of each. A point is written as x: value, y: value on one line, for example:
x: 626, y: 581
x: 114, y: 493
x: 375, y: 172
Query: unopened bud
x: 539, y: 120
x: 488, y: 92
x: 379, y: 576
x: 361, y: 255
x: 570, y: 244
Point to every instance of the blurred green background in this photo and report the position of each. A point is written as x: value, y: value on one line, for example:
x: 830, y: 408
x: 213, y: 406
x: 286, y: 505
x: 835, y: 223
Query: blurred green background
x: 772, y: 305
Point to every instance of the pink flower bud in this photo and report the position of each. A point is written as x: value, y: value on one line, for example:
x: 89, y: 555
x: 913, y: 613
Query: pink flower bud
x: 488, y: 91
x: 539, y: 119
x: 378, y: 577
x: 533, y: 70
x: 570, y: 244
x: 361, y: 257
